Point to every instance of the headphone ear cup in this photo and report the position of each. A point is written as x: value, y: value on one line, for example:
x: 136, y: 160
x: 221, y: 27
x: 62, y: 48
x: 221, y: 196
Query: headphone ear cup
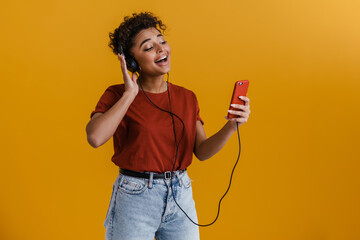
x: 132, y: 65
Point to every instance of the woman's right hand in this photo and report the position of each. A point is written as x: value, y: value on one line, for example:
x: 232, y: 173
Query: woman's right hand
x: 131, y: 85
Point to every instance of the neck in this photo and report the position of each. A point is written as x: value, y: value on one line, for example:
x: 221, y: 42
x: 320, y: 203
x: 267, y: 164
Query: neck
x: 153, y: 84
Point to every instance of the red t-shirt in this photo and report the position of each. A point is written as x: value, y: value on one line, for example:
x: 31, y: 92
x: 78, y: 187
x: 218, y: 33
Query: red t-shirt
x: 144, y: 140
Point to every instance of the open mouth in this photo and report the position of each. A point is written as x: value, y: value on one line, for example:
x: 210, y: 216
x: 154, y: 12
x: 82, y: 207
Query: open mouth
x: 162, y: 60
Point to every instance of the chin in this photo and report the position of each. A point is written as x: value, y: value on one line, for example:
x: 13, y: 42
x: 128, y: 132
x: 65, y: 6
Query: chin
x: 167, y: 70
x: 162, y: 71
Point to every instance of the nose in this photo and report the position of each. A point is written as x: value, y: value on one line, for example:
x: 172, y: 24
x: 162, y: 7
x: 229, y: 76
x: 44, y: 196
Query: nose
x: 160, y: 49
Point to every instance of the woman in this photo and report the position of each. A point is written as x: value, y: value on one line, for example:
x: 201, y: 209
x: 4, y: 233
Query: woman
x: 153, y: 147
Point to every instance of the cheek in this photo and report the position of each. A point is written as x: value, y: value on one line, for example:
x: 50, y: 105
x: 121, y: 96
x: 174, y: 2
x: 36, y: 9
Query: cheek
x: 168, y: 48
x: 145, y: 60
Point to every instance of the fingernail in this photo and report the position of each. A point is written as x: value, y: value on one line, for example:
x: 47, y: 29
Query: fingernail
x: 233, y: 105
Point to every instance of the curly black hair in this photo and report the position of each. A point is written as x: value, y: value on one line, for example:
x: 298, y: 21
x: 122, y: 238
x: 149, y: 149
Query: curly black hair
x: 130, y: 27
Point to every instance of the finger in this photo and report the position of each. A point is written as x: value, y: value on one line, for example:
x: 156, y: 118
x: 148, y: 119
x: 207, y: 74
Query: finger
x: 122, y: 62
x: 238, y: 113
x: 238, y: 120
x: 239, y: 106
x: 246, y: 100
x: 119, y: 56
x: 134, y: 77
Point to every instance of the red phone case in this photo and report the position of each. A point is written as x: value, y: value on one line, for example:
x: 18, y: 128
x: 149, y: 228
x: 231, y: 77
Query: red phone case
x: 240, y: 89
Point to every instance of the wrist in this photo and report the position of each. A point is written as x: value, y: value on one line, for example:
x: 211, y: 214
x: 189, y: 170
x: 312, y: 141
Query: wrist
x: 130, y: 94
x: 232, y: 126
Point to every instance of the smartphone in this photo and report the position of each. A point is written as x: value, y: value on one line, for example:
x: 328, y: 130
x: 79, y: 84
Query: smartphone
x: 240, y: 89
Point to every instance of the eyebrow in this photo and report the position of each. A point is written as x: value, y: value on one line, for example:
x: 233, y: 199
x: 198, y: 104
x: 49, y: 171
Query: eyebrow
x: 159, y: 35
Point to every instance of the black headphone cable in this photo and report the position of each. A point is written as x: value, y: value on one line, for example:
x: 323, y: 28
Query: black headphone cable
x: 176, y: 153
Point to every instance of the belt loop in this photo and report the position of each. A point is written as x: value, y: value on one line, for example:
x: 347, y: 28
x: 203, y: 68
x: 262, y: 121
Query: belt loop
x: 178, y: 177
x: 151, y: 179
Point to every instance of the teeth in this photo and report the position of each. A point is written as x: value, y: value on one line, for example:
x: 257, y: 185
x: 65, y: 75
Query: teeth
x: 161, y: 59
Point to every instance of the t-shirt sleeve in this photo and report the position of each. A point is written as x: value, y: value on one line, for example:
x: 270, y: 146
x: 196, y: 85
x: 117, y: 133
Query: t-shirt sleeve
x: 107, y: 100
x: 198, y: 111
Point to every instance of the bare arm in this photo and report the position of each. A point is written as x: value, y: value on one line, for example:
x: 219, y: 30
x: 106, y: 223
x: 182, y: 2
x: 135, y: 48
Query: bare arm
x: 207, y: 147
x: 102, y: 126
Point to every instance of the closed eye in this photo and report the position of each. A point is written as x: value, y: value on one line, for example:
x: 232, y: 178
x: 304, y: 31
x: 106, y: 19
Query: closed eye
x: 148, y: 49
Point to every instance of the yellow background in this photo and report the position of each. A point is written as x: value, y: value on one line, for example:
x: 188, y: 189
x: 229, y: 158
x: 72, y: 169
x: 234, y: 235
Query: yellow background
x: 298, y: 175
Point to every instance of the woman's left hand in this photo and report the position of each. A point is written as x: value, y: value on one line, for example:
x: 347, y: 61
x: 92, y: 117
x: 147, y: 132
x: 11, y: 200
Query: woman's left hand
x: 243, y: 112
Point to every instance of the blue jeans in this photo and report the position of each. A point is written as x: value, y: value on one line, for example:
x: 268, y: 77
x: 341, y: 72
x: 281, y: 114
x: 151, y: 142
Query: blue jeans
x: 144, y: 209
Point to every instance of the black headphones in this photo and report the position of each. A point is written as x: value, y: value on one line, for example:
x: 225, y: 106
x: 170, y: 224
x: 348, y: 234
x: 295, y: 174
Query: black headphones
x: 131, y: 63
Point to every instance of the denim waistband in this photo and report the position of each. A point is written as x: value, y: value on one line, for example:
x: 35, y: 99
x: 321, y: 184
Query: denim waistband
x: 166, y: 175
x: 150, y: 180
